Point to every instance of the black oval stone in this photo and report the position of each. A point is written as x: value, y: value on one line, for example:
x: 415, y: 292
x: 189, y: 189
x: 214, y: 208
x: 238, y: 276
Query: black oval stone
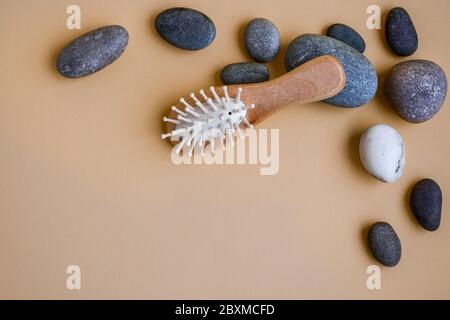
x: 426, y: 204
x: 347, y: 35
x: 186, y: 28
x: 401, y: 34
x: 92, y: 51
x: 385, y: 244
x: 244, y: 72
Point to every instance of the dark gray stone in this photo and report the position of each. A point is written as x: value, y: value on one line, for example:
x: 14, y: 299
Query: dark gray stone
x: 186, y: 28
x: 347, y: 35
x: 416, y: 89
x: 426, y: 204
x: 362, y: 80
x: 244, y: 72
x: 92, y: 51
x: 400, y: 32
x: 262, y: 40
x: 385, y: 244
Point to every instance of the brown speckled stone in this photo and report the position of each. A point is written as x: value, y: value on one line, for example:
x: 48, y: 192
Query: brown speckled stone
x: 416, y: 89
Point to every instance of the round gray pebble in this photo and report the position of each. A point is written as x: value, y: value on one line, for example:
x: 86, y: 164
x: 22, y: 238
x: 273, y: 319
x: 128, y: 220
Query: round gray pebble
x: 416, y: 89
x: 186, y: 28
x: 92, y: 51
x: 385, y: 244
x: 262, y: 40
x: 244, y: 72
x: 362, y: 80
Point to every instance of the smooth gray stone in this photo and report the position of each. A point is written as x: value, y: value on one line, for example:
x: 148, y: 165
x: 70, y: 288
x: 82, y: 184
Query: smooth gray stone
x: 262, y: 40
x: 244, y: 72
x: 362, y: 80
x: 92, y: 51
x: 400, y: 32
x: 348, y: 35
x: 426, y: 204
x: 186, y: 28
x: 385, y: 244
x: 416, y: 89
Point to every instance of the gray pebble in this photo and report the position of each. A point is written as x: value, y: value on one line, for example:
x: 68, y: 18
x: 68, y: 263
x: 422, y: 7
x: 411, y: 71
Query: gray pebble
x: 347, y: 35
x: 244, y: 72
x: 262, y: 40
x: 92, y: 51
x: 426, y: 204
x: 385, y: 244
x: 186, y: 28
x: 362, y: 80
x: 416, y: 89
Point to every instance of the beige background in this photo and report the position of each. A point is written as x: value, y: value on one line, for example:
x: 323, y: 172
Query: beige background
x: 86, y: 180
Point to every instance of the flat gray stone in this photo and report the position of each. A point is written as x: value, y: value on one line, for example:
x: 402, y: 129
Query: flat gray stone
x: 262, y: 40
x: 186, y: 28
x: 416, y: 89
x: 244, y: 72
x: 362, y: 80
x: 92, y: 51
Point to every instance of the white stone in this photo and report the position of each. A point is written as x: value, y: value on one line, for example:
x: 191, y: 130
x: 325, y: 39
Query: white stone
x: 382, y: 152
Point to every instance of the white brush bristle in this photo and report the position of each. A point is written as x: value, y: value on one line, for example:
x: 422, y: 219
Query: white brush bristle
x: 214, y: 118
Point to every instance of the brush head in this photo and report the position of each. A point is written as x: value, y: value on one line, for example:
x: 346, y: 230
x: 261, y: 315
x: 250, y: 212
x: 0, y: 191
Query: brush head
x: 216, y: 118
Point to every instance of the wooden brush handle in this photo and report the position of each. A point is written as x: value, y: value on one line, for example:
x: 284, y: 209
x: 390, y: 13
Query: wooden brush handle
x: 315, y: 80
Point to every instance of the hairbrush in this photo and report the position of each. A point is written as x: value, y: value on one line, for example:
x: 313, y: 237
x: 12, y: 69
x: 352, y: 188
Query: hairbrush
x: 221, y: 116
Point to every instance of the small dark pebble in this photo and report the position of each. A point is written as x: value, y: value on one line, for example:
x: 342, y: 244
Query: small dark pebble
x: 186, y: 28
x: 416, y: 89
x: 262, y: 40
x: 426, y: 204
x: 401, y: 34
x: 347, y: 35
x: 244, y: 72
x: 92, y: 51
x: 385, y: 244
